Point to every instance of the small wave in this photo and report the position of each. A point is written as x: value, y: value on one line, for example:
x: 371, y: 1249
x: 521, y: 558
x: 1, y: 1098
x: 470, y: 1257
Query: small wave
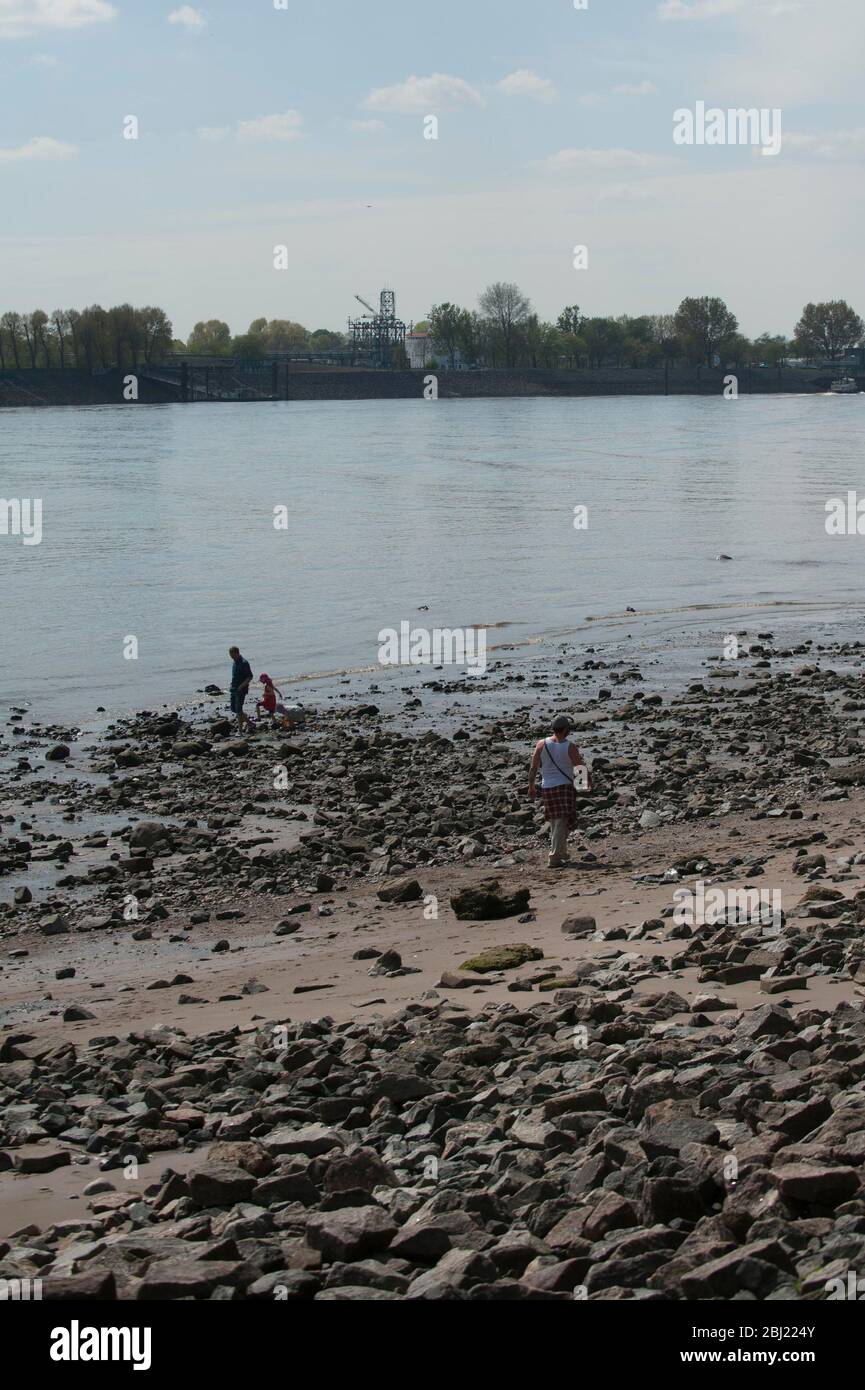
x: 712, y: 607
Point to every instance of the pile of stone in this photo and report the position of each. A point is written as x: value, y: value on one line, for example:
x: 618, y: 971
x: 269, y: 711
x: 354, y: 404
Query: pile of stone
x: 586, y: 1147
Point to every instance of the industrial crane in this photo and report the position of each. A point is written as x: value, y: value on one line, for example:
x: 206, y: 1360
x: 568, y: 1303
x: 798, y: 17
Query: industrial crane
x: 365, y: 305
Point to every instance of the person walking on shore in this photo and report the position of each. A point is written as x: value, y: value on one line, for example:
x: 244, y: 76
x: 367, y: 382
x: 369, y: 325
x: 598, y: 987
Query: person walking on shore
x: 558, y: 759
x: 241, y: 679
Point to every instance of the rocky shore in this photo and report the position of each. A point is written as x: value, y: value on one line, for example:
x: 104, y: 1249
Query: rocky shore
x: 302, y: 1016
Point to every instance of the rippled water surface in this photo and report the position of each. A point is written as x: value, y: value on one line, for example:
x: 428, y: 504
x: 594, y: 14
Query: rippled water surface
x: 158, y: 523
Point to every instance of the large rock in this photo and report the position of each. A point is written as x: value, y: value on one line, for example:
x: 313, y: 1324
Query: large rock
x: 43, y: 1162
x: 309, y: 1139
x: 400, y: 890
x: 220, y: 1185
x: 458, y: 1269
x: 286, y: 1187
x: 487, y: 902
x: 815, y: 1182
x: 55, y: 924
x: 502, y: 957
x: 350, y: 1233
x: 579, y: 926
x: 247, y: 1154
x: 361, y: 1170
x: 669, y: 1125
x: 92, y: 1284
x: 148, y: 833
x: 197, y: 1279
x: 756, y: 1268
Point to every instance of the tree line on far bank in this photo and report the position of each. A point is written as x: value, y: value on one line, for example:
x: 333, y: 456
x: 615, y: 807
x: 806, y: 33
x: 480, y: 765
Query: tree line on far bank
x: 121, y: 336
x: 504, y: 331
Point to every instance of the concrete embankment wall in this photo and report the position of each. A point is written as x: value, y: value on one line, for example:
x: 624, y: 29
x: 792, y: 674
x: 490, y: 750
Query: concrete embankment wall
x: 71, y: 386
x: 79, y: 387
x: 606, y: 381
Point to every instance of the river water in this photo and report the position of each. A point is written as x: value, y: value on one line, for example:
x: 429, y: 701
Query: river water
x: 158, y: 524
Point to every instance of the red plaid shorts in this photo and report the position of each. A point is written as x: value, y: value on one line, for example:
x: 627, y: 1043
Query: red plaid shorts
x: 560, y: 803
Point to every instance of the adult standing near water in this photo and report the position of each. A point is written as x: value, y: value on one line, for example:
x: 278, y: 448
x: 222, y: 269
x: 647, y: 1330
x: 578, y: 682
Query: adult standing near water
x: 558, y: 759
x: 241, y: 678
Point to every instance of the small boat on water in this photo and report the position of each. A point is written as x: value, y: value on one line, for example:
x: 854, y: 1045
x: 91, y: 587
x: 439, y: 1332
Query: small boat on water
x: 845, y: 386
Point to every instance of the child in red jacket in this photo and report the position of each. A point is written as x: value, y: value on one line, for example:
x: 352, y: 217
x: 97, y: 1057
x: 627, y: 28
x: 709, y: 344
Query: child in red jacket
x: 268, y: 699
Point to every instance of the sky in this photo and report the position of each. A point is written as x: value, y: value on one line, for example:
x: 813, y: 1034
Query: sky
x: 303, y: 123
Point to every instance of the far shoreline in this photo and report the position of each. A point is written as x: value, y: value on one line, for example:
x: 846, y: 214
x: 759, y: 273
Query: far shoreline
x: 208, y: 381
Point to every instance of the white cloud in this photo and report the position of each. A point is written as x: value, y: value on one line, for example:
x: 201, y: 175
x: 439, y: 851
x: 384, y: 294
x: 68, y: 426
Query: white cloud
x: 19, y: 19
x: 366, y: 127
x: 38, y: 147
x: 525, y: 83
x: 698, y: 9
x: 193, y: 20
x: 44, y: 60
x: 438, y: 92
x: 602, y: 160
x: 835, y: 145
x: 284, y: 126
x: 717, y: 9
x: 814, y: 55
x: 636, y: 89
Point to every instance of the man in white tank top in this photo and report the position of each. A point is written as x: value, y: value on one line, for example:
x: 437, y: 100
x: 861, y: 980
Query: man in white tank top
x: 562, y: 769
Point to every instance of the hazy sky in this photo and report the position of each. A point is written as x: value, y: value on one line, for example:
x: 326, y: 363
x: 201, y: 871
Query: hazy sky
x: 304, y: 125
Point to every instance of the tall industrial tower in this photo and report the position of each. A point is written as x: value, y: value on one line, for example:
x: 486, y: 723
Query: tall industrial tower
x: 376, y: 335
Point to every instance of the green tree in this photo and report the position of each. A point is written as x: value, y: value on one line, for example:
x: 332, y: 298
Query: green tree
x: 704, y: 327
x: 158, y: 333
x: 125, y: 334
x: 447, y: 328
x: 250, y: 345
x: 88, y: 329
x: 603, y: 339
x: 73, y: 323
x: 471, y: 338
x: 505, y: 307
x: 830, y: 328
x: 637, y: 348
x: 551, y: 347
x: 12, y: 324
x: 573, y: 347
x: 283, y: 335
x: 570, y: 320
x: 739, y: 350
x: 773, y: 349
x: 528, y: 342
x: 323, y: 340
x: 30, y: 329
x: 211, y: 338
x: 60, y: 325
